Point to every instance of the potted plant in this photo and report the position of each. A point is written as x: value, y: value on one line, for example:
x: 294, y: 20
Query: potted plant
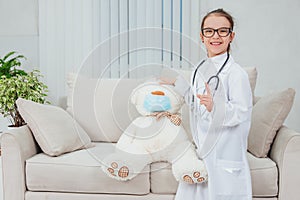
x: 15, y: 83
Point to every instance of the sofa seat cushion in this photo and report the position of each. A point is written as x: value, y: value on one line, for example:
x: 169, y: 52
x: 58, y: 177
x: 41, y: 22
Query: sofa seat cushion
x: 80, y: 171
x: 162, y: 179
x: 264, y: 176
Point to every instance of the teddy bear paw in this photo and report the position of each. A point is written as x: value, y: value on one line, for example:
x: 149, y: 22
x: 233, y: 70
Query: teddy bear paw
x: 123, y: 172
x: 188, y: 179
x: 195, y: 178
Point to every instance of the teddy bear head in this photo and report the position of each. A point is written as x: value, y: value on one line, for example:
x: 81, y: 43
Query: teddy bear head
x: 152, y: 97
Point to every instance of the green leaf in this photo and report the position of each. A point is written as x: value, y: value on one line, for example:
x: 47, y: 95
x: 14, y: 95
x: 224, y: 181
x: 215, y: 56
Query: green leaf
x: 9, y: 54
x: 8, y: 67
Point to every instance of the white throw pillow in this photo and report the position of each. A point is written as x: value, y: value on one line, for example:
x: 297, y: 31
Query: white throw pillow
x: 268, y: 115
x: 54, y: 129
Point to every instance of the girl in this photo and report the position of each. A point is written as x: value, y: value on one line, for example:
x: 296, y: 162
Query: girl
x: 225, y: 158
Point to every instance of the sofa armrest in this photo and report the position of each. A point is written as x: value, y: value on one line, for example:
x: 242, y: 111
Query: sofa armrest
x: 286, y: 153
x: 17, y: 145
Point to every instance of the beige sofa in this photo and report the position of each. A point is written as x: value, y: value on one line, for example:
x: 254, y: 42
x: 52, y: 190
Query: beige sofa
x: 30, y: 174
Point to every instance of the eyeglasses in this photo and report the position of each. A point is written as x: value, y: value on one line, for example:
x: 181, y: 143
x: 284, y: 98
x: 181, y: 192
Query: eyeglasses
x: 222, y: 32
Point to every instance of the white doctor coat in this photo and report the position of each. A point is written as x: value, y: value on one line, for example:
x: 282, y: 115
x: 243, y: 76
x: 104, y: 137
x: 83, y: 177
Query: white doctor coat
x: 225, y: 159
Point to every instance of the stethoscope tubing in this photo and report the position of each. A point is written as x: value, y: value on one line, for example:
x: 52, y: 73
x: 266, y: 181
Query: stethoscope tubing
x: 212, y: 77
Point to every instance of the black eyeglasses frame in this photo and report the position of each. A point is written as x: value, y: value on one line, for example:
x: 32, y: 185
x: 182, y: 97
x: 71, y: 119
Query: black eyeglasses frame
x: 216, y: 30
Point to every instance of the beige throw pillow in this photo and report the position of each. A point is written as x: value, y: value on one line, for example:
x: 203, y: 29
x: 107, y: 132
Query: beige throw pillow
x: 252, y: 75
x: 53, y: 128
x: 268, y: 115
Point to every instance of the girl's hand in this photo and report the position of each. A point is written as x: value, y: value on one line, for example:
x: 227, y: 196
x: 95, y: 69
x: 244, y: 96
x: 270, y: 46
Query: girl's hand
x: 167, y: 81
x: 206, y: 99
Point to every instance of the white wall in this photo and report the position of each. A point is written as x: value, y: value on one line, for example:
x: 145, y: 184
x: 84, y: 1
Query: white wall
x: 267, y: 36
x: 19, y: 32
x: 70, y: 29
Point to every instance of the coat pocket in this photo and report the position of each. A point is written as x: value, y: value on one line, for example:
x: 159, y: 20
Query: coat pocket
x: 231, y: 178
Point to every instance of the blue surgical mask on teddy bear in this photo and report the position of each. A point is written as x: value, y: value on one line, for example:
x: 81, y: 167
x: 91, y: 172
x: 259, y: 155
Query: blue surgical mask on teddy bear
x: 157, y: 102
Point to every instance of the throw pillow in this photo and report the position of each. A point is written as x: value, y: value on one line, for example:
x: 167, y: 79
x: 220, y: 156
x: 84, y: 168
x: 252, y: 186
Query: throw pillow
x: 268, y: 115
x: 54, y: 129
x: 252, y: 75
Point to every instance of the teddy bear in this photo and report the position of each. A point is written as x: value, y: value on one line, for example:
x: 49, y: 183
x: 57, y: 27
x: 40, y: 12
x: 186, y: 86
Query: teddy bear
x: 157, y: 135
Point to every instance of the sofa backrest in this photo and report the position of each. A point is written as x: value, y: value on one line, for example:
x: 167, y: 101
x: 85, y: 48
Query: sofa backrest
x: 101, y: 106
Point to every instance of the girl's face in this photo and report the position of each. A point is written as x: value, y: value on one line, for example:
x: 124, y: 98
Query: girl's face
x: 216, y: 45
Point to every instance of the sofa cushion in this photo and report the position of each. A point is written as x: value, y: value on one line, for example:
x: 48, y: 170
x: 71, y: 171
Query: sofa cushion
x: 264, y: 177
x: 54, y: 129
x: 162, y: 178
x: 80, y: 172
x: 268, y: 115
x: 101, y: 106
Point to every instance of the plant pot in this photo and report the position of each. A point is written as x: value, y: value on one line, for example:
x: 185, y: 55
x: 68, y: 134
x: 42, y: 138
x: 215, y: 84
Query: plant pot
x: 12, y: 128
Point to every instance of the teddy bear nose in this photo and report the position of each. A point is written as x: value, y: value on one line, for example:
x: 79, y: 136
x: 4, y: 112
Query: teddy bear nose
x: 161, y: 93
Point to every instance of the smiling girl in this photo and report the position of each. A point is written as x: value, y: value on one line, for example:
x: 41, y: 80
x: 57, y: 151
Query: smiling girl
x: 226, y: 161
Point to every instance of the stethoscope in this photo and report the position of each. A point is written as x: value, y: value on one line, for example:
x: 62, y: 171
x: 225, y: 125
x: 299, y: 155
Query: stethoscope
x: 216, y: 77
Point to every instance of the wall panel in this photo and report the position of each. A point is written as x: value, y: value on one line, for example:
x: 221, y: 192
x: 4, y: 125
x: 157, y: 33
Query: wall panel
x: 130, y: 38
